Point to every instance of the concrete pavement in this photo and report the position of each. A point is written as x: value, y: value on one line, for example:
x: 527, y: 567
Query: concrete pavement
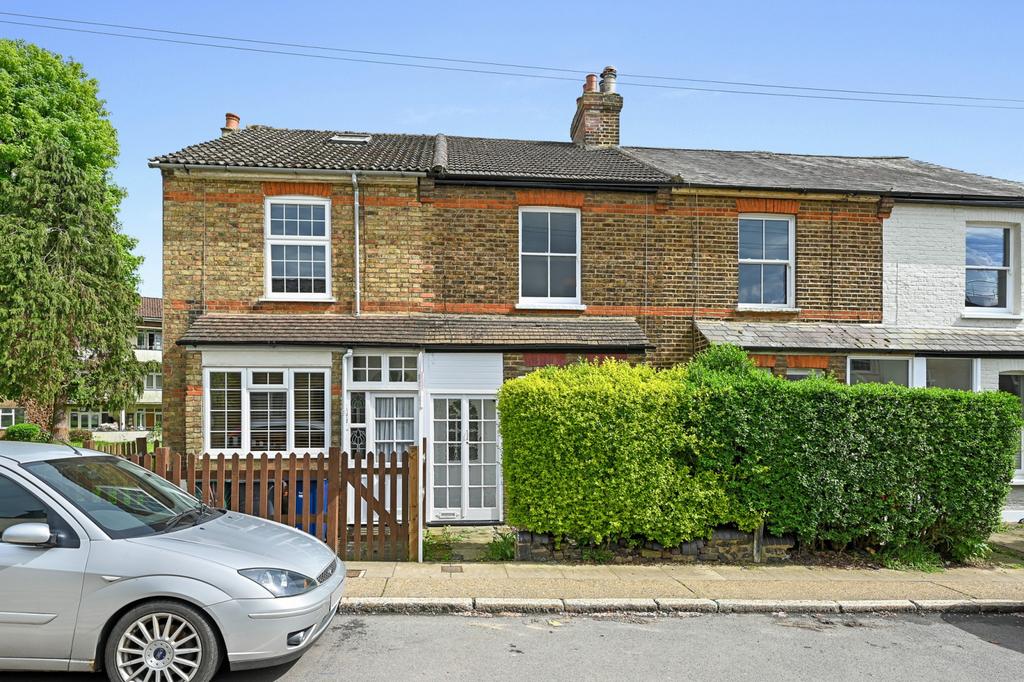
x: 782, y: 582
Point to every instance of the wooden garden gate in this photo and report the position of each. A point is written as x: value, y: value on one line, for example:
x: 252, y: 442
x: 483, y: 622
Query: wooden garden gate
x: 366, y: 506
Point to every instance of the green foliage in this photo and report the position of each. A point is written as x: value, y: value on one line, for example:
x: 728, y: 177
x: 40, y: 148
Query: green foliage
x: 912, y: 557
x: 502, y: 547
x: 68, y: 300
x: 26, y: 432
x: 44, y: 97
x: 440, y: 545
x: 79, y: 435
x: 596, y: 554
x: 612, y: 451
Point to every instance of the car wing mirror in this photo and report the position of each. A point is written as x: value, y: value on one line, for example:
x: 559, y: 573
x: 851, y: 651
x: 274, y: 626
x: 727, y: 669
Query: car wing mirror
x: 35, y: 534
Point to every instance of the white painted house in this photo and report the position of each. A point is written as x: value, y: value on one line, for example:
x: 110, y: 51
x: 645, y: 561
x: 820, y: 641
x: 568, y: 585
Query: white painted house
x: 959, y: 267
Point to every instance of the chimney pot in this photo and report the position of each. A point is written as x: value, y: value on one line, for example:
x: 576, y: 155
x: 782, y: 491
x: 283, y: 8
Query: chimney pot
x: 608, y: 77
x: 230, y: 124
x: 596, y: 123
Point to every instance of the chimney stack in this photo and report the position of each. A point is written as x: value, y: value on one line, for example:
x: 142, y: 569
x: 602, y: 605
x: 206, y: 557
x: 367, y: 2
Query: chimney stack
x: 230, y: 124
x: 596, y: 123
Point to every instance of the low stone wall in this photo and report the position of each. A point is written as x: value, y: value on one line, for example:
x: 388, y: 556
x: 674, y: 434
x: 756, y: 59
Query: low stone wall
x: 725, y: 545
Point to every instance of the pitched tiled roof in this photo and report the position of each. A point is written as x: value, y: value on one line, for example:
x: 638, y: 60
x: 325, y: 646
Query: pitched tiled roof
x: 831, y: 337
x: 871, y: 174
x: 151, y: 308
x: 430, y: 331
x: 464, y: 157
x: 265, y: 147
x: 478, y: 156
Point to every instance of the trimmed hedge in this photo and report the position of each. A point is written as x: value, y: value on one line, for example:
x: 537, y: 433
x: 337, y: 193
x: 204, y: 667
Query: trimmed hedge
x: 25, y: 432
x: 613, y: 451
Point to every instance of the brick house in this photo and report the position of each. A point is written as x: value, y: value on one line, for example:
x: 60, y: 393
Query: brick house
x: 370, y: 291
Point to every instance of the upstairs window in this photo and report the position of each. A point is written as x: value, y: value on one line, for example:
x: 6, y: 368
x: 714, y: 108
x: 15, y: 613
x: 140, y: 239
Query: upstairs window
x: 149, y: 340
x: 298, y: 249
x: 988, y: 277
x: 549, y: 251
x: 154, y: 381
x: 766, y: 261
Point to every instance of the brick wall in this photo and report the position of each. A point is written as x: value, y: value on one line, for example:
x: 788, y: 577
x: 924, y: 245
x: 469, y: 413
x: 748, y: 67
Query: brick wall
x: 664, y: 258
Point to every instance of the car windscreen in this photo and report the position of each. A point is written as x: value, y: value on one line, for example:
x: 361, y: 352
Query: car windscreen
x: 123, y: 499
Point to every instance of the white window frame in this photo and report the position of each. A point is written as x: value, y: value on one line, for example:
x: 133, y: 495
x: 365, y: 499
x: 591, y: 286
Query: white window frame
x: 150, y: 384
x: 248, y: 386
x: 790, y: 263
x: 909, y: 359
x: 385, y: 382
x: 1012, y: 296
x: 466, y: 513
x: 549, y: 302
x: 157, y: 342
x: 797, y: 373
x: 10, y: 414
x: 920, y: 373
x: 296, y: 240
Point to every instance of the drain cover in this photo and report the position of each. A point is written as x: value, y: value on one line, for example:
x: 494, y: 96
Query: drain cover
x: 355, y: 573
x: 451, y: 569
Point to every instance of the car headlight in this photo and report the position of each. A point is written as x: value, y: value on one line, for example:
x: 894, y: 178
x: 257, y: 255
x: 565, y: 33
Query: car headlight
x: 279, y: 582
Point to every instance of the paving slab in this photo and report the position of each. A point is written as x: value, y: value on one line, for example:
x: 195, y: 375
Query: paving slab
x: 365, y: 587
x: 480, y: 571
x: 878, y: 606
x: 508, y: 605
x: 819, y: 589
x: 372, y: 569
x: 424, y: 570
x: 777, y: 605
x: 995, y: 589
x: 610, y: 605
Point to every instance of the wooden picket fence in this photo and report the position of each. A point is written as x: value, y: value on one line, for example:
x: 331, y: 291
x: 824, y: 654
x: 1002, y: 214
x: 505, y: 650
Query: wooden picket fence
x: 366, y: 507
x: 125, y: 448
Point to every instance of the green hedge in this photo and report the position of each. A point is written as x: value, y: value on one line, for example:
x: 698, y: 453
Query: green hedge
x: 25, y: 432
x: 612, y: 451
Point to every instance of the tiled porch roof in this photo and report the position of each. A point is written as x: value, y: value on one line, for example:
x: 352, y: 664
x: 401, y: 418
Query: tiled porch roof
x: 506, y: 332
x: 832, y: 337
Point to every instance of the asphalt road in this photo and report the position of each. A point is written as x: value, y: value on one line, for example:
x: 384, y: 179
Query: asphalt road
x: 733, y: 647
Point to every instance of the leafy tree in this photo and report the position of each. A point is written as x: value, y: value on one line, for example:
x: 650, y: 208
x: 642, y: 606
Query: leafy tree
x: 68, y: 278
x: 45, y: 97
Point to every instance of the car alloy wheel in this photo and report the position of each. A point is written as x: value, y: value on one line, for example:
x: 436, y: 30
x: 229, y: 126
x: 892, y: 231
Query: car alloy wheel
x: 159, y: 647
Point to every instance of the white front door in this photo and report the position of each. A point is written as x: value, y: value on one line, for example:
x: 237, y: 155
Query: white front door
x: 465, y: 459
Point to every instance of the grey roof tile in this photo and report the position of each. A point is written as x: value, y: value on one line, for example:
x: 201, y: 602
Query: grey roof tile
x: 872, y: 174
x: 832, y: 337
x: 431, y: 331
x: 477, y: 157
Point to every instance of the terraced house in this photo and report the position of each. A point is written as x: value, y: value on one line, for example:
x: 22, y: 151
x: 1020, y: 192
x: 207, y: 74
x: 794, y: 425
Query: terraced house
x: 372, y: 290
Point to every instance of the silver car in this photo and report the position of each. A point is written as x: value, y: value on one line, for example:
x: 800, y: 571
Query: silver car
x: 104, y: 564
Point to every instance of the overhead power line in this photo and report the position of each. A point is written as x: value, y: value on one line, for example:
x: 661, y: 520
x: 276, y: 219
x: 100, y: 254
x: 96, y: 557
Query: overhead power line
x: 508, y: 65
x: 438, y: 67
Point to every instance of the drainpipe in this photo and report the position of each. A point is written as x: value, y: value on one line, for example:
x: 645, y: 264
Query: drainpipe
x: 355, y: 221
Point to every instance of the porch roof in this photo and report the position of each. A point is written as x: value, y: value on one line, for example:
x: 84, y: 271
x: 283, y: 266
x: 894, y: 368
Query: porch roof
x: 471, y: 332
x: 832, y: 337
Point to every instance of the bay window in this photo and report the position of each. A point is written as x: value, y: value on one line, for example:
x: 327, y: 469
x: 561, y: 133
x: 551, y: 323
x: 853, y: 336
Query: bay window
x: 278, y: 410
x: 549, y: 257
x: 298, y: 249
x: 766, y: 261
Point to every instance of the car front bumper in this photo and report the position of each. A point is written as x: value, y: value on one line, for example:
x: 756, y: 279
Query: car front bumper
x: 256, y: 631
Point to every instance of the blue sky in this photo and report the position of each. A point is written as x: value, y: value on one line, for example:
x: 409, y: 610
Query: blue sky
x: 163, y: 97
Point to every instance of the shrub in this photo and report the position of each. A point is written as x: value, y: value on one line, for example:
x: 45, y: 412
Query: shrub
x: 613, y: 451
x: 502, y: 547
x: 79, y: 435
x: 25, y: 432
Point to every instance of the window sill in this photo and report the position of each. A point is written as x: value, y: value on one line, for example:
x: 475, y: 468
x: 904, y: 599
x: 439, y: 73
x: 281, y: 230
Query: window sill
x: 766, y: 308
x: 1017, y: 481
x: 972, y: 315
x: 275, y: 299
x: 550, y: 306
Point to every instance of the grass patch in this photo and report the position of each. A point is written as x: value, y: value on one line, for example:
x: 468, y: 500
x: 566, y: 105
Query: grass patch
x: 914, y: 557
